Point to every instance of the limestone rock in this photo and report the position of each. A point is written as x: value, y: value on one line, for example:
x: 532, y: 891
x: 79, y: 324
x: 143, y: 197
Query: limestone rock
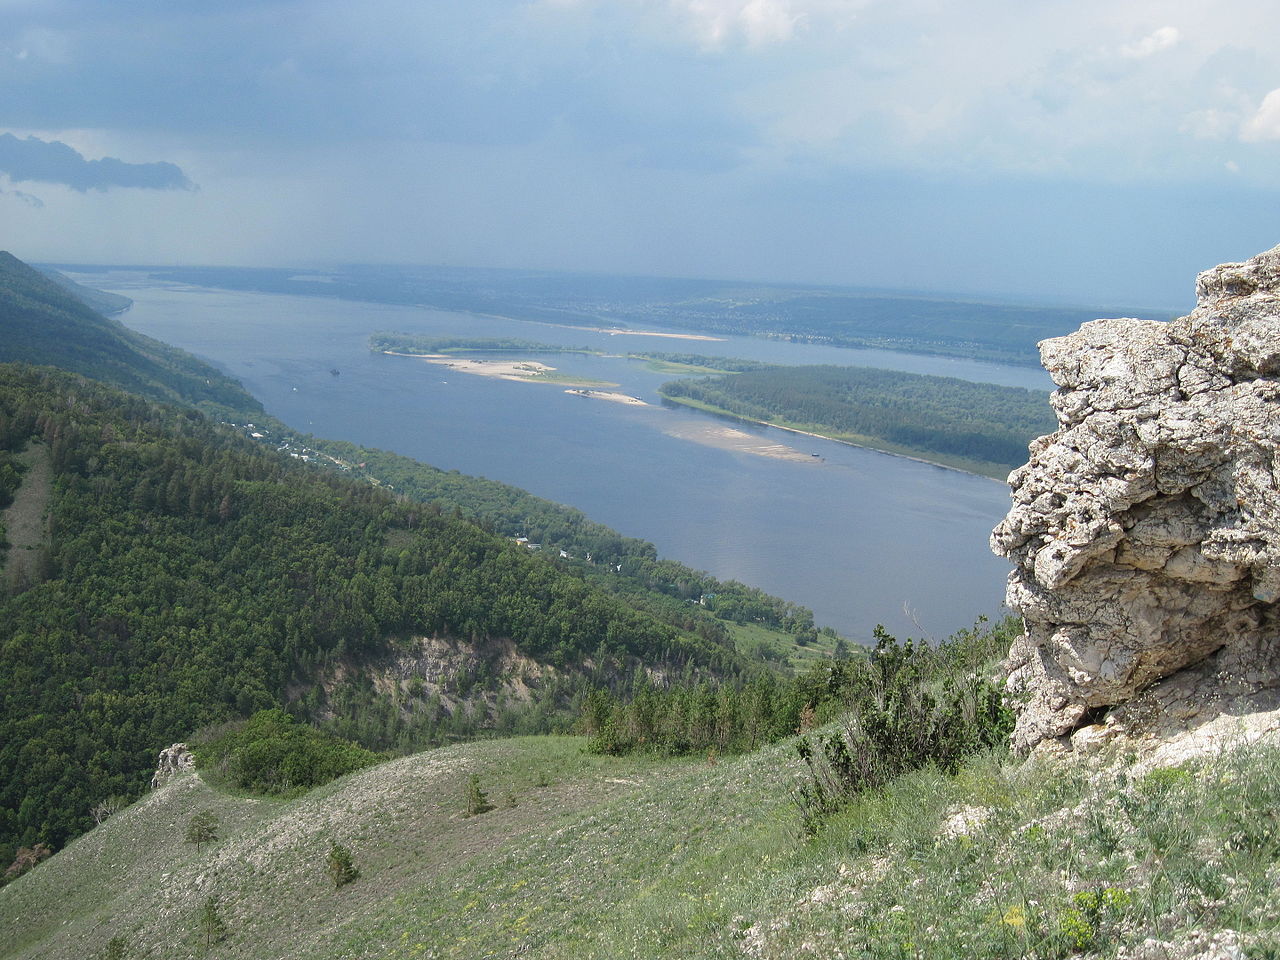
x: 1145, y: 532
x: 173, y: 760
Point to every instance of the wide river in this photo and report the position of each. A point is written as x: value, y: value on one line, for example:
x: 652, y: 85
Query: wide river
x: 860, y: 537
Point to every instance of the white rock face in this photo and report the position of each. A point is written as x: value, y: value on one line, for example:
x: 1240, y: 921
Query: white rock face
x: 173, y: 760
x: 1145, y: 532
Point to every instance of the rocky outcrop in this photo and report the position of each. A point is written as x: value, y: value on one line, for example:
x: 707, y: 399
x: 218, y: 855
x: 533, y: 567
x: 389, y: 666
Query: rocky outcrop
x: 1145, y: 532
x: 173, y: 760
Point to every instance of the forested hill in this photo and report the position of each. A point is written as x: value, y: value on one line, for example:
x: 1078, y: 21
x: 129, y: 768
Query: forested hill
x: 186, y: 575
x: 43, y: 323
x: 107, y: 304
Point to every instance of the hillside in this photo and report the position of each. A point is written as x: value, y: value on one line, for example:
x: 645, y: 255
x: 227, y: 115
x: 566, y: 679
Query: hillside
x: 107, y: 304
x: 41, y: 322
x: 599, y: 857
x: 189, y: 574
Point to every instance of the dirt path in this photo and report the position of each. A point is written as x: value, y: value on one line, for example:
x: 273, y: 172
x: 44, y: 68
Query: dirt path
x: 26, y: 521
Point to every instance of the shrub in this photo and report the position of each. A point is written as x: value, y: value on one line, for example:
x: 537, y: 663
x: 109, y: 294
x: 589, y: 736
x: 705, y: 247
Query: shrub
x: 271, y: 753
x: 342, y: 869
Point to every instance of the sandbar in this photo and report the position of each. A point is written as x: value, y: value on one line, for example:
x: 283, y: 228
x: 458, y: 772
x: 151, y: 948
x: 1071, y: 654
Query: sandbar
x: 521, y: 371
x: 738, y: 441
x: 612, y: 397
x: 618, y: 331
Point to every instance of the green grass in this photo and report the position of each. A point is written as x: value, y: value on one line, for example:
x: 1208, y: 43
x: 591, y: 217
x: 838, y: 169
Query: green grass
x: 778, y: 645
x: 672, y: 367
x: 636, y: 857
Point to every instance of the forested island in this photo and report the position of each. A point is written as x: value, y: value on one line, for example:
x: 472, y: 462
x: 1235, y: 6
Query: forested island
x: 978, y: 427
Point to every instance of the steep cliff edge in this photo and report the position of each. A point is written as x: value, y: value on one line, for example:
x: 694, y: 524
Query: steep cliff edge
x: 1145, y: 532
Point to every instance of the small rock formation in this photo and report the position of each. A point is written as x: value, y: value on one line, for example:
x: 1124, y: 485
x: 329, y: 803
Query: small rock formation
x: 173, y: 760
x: 1145, y: 532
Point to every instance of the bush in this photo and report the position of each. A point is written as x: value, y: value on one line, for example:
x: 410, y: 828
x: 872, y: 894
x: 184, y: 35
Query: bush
x: 273, y: 754
x: 912, y: 705
x: 342, y: 869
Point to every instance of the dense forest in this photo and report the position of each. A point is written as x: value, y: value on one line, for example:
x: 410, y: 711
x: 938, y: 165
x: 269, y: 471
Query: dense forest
x: 978, y: 426
x: 190, y: 575
x: 692, y: 600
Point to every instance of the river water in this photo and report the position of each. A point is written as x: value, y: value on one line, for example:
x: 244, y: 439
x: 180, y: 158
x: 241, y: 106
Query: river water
x: 860, y: 537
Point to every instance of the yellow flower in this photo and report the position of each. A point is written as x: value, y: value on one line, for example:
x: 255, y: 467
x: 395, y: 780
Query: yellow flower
x: 1015, y: 917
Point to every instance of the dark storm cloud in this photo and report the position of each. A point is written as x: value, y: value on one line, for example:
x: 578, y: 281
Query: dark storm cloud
x: 41, y: 161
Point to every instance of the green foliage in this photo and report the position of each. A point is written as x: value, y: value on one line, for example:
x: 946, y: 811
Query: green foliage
x: 410, y: 343
x: 900, y: 706
x: 271, y: 753
x: 477, y: 799
x: 340, y: 867
x: 942, y: 416
x: 194, y: 576
x: 686, y: 599
x: 202, y: 828
x: 117, y: 948
x: 212, y: 928
x: 903, y: 707
x: 43, y: 323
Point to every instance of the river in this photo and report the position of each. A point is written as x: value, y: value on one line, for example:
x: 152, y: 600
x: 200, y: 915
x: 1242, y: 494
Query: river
x: 860, y: 537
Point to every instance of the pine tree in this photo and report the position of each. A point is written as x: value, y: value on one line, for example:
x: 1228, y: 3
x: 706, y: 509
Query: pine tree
x: 213, y: 929
x: 477, y: 799
x: 341, y: 868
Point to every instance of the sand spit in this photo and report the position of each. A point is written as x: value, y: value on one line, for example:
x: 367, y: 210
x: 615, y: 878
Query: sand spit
x: 521, y: 371
x: 738, y: 441
x: 618, y: 331
x: 607, y: 395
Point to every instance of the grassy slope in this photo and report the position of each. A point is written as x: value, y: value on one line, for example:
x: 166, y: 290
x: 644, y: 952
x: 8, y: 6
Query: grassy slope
x: 636, y: 858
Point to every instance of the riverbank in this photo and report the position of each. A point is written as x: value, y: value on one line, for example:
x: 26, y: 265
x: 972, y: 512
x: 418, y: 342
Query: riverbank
x: 974, y: 468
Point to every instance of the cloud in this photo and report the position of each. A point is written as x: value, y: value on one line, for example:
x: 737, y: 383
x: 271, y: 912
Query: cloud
x: 29, y: 199
x: 759, y: 21
x: 53, y: 161
x: 1265, y: 124
x: 1162, y: 39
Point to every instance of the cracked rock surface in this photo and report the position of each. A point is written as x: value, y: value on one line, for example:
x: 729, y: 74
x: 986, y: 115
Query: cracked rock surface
x: 1145, y: 532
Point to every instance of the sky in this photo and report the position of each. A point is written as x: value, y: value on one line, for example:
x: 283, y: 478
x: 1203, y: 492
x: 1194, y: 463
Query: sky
x: 1062, y: 150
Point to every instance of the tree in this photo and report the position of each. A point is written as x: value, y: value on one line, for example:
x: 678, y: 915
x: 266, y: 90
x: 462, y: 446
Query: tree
x: 27, y: 858
x: 202, y: 828
x: 477, y: 799
x: 106, y: 808
x: 116, y: 949
x: 342, y: 870
x: 213, y: 929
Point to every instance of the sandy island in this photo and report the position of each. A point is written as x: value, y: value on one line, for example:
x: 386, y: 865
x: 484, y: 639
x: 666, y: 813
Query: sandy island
x: 522, y: 371
x: 738, y: 441
x: 606, y: 395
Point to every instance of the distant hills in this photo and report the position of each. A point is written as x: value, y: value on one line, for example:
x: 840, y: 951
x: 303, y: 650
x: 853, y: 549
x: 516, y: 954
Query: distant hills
x: 928, y: 323
x: 43, y: 322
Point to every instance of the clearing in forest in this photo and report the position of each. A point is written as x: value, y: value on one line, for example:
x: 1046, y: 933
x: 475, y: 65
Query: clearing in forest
x: 26, y: 521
